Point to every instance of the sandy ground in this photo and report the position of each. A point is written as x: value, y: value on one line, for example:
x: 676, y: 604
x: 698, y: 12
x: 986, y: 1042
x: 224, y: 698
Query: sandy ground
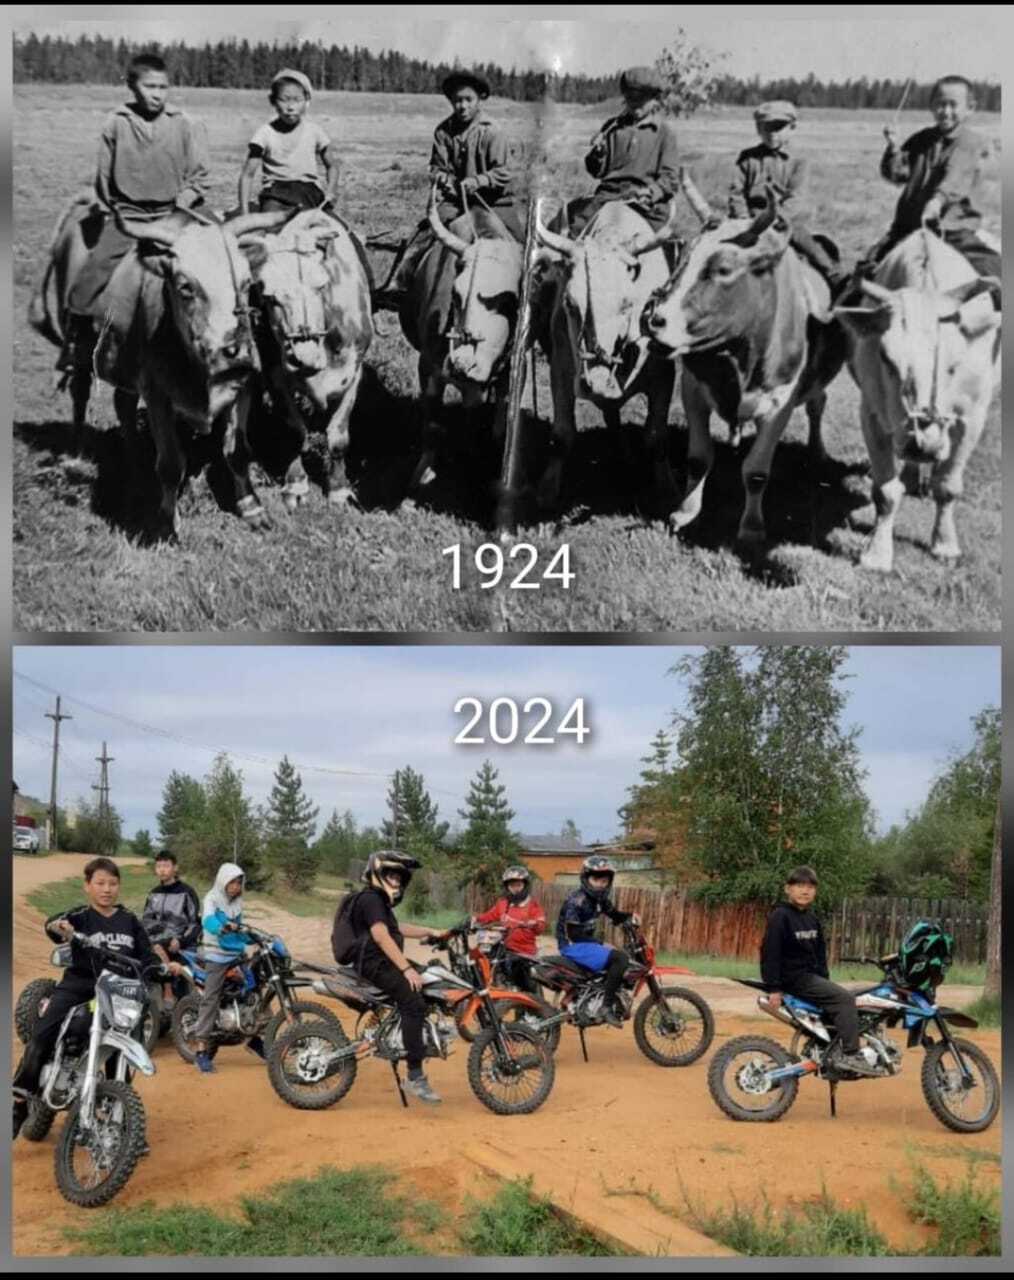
x: 618, y: 1120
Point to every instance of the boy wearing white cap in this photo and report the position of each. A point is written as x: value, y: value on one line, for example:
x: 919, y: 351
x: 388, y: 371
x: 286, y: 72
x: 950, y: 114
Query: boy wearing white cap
x: 288, y: 150
x: 770, y: 163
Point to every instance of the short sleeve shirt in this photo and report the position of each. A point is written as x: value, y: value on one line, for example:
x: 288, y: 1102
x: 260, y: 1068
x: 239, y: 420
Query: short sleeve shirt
x: 290, y: 155
x: 373, y: 908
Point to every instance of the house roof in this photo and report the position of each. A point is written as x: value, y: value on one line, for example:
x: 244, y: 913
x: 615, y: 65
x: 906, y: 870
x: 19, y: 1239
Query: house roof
x: 553, y: 845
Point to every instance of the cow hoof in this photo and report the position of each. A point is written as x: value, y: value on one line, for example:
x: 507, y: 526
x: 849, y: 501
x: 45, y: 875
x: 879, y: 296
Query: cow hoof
x: 679, y: 520
x: 253, y: 514
x: 295, y: 494
x: 751, y: 549
x: 876, y: 562
x: 343, y: 497
x: 946, y: 552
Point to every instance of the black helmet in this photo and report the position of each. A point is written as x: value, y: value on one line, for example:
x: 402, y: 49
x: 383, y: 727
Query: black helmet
x: 386, y: 863
x: 516, y: 872
x: 597, y: 865
x: 925, y: 955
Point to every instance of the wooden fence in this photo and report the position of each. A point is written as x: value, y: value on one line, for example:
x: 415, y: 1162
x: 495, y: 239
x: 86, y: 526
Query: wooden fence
x: 875, y: 926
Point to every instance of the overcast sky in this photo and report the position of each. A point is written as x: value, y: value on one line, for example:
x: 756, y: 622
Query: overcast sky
x: 372, y: 709
x: 834, y: 42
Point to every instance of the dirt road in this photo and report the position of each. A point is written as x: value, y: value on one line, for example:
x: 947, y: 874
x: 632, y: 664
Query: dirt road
x: 617, y: 1122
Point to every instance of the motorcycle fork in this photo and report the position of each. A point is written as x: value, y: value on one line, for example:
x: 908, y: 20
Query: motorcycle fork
x: 87, y: 1111
x: 967, y: 1079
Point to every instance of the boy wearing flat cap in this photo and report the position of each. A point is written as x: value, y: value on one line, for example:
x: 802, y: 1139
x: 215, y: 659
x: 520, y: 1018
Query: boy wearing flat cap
x: 770, y: 163
x: 633, y: 155
x: 471, y: 166
x: 287, y: 149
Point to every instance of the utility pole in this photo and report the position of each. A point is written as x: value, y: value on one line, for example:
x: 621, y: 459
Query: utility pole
x: 102, y: 787
x: 56, y: 717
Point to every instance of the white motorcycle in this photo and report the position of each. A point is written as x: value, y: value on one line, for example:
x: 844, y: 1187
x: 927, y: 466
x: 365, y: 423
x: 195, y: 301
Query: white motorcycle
x: 89, y: 1075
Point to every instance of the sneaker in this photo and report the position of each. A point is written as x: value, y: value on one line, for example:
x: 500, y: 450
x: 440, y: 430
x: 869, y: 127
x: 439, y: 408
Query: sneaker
x: 255, y: 1045
x: 612, y: 1019
x: 855, y: 1062
x: 204, y: 1064
x: 419, y: 1087
x: 20, y: 1115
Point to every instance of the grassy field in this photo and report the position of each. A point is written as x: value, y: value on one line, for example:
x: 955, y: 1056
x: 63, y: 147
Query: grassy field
x: 81, y: 564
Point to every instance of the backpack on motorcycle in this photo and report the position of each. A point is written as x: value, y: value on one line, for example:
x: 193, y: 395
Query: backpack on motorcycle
x: 925, y: 955
x: 346, y: 947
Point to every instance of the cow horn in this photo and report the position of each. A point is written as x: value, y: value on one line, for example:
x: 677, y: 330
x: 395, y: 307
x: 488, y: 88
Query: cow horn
x: 161, y: 231
x: 454, y: 243
x: 695, y: 200
x: 766, y: 217
x: 875, y: 291
x: 256, y: 222
x: 970, y: 289
x: 552, y: 239
x: 662, y: 236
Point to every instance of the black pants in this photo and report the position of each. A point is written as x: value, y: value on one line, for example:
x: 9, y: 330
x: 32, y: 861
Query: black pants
x: 839, y: 1004
x: 619, y: 963
x: 383, y: 974
x: 290, y: 195
x: 517, y: 970
x: 40, y: 1047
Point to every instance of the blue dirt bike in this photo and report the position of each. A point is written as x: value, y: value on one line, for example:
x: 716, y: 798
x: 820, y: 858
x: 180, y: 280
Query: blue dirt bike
x: 755, y: 1078
x: 257, y: 998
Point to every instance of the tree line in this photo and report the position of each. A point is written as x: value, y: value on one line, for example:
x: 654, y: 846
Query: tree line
x: 242, y: 64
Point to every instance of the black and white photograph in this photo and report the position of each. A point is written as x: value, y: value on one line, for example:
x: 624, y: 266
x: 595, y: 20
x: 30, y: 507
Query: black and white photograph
x: 345, y: 324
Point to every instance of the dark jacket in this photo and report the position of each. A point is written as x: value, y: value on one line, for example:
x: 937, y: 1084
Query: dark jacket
x: 930, y: 163
x: 122, y: 932
x: 175, y: 908
x: 576, y: 922
x: 793, y: 945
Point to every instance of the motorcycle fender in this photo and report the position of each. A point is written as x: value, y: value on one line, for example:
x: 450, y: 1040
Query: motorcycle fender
x: 958, y: 1018
x: 517, y: 997
x: 672, y: 968
x: 135, y: 1053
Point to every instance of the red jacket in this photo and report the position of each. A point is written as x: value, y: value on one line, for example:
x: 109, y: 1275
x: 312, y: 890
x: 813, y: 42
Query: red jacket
x: 530, y: 919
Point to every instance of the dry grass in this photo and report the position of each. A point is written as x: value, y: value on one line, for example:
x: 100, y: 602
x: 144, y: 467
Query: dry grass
x: 80, y: 565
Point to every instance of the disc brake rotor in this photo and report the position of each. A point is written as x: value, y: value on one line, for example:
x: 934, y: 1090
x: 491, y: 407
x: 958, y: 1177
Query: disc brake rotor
x: 752, y: 1078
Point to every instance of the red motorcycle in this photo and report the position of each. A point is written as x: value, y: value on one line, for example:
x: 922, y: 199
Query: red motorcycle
x: 673, y: 1026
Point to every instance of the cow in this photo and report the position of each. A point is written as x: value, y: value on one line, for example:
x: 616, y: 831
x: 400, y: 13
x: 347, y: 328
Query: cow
x: 188, y: 351
x: 588, y: 317
x: 925, y: 345
x: 313, y: 297
x: 750, y: 321
x: 459, y: 313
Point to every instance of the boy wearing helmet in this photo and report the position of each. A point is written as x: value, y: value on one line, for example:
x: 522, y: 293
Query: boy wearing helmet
x: 524, y: 919
x: 380, y: 957
x: 288, y: 150
x: 575, y: 930
x: 794, y: 959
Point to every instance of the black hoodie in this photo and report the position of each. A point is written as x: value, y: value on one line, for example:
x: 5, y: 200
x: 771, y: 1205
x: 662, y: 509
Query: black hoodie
x: 793, y: 945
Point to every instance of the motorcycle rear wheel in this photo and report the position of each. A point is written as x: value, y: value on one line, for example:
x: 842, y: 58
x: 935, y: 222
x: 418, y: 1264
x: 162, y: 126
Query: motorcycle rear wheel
x: 39, y: 1122
x: 303, y: 1011
x: 26, y: 1011
x: 120, y: 1131
x: 516, y: 1088
x: 296, y: 1070
x: 761, y: 1048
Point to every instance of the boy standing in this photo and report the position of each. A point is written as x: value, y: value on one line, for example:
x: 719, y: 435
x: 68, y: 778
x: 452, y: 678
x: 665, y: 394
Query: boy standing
x: 794, y: 960
x: 288, y: 150
x: 152, y: 159
x: 770, y: 163
x: 575, y: 930
x: 109, y: 925
x: 524, y: 920
x: 940, y: 169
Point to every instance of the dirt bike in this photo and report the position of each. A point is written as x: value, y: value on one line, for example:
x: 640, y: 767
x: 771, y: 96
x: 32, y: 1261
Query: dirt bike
x: 33, y: 999
x: 160, y: 935
x: 755, y: 1078
x: 250, y: 992
x: 673, y: 1026
x: 89, y: 1075
x: 510, y: 1067
x: 490, y: 955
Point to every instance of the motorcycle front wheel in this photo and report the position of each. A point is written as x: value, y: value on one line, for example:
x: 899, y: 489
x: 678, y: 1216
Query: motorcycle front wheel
x: 516, y: 1011
x: 95, y: 1165
x: 966, y: 1106
x: 515, y: 1082
x: 301, y: 1066
x: 676, y: 1030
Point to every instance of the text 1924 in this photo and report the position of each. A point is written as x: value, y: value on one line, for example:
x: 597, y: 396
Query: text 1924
x: 491, y: 566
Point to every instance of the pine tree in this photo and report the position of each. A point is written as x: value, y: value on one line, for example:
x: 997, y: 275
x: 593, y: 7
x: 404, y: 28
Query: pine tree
x: 228, y: 829
x: 183, y: 805
x: 413, y: 826
x: 487, y: 843
x: 290, y: 822
x: 143, y: 847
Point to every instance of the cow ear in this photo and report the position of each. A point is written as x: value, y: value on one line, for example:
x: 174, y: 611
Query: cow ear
x: 978, y: 316
x: 864, y: 321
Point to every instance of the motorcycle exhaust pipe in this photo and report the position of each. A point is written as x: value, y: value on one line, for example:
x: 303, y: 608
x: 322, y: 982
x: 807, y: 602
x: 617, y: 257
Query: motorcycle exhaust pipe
x: 779, y: 1013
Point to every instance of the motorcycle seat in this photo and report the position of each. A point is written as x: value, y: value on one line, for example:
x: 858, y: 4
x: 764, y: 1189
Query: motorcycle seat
x: 347, y: 980
x: 805, y: 1005
x: 563, y: 963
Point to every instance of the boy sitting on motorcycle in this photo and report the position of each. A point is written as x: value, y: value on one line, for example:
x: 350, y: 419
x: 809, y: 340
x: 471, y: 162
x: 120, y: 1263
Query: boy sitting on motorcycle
x: 575, y: 931
x: 172, y: 912
x: 112, y: 927
x: 794, y: 960
x: 524, y: 920
x: 224, y: 945
x: 379, y: 956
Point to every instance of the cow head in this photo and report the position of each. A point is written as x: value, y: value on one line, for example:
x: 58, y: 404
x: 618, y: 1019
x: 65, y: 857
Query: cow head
x: 922, y: 359
x: 207, y: 280
x: 484, y: 303
x: 722, y: 286
x: 605, y: 290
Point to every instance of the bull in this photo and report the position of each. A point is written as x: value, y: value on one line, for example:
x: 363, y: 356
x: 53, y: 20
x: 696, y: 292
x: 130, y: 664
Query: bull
x: 589, y: 321
x: 460, y: 314
x: 313, y: 296
x: 750, y: 321
x: 924, y: 354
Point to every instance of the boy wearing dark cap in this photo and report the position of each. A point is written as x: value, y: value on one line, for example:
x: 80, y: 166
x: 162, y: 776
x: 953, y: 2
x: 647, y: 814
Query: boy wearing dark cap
x: 770, y: 163
x: 470, y: 164
x: 794, y: 959
x: 634, y: 154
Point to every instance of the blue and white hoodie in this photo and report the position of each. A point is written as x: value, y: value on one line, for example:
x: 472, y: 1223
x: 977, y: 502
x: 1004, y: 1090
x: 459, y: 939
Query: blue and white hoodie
x: 220, y: 909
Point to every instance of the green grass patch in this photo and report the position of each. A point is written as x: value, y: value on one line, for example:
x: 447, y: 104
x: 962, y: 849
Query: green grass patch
x: 966, y: 1215
x: 707, y: 966
x: 518, y: 1224
x: 986, y: 1010
x: 819, y: 1230
x: 337, y: 1212
x: 61, y: 895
